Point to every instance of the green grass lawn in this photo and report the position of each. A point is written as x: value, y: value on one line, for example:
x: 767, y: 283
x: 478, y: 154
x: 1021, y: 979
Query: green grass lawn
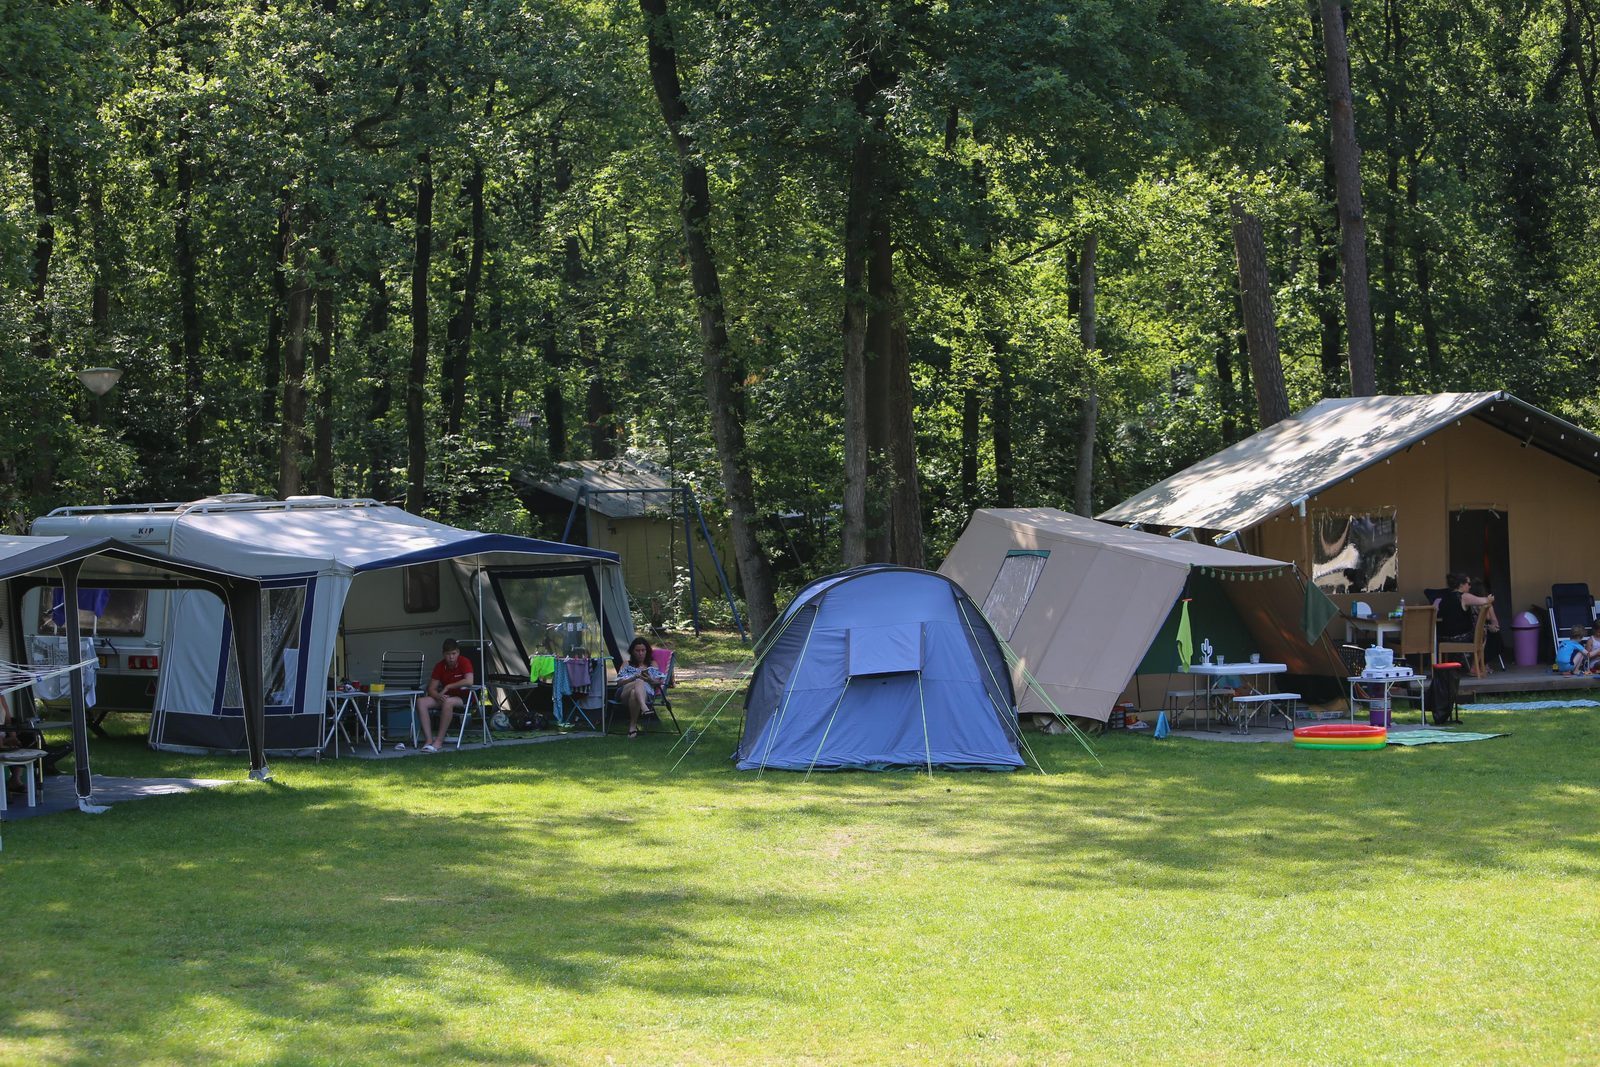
x: 574, y: 902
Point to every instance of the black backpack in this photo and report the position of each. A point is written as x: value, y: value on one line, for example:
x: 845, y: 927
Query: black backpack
x: 1443, y: 690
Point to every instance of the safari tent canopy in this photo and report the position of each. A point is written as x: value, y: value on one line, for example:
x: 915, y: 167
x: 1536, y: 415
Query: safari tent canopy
x: 337, y: 569
x: 880, y: 667
x: 98, y: 562
x: 1481, y: 483
x: 1081, y: 602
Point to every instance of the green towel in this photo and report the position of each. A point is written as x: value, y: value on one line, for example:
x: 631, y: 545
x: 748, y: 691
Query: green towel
x: 1435, y: 737
x: 1318, y: 612
x: 540, y: 667
x: 1185, y: 638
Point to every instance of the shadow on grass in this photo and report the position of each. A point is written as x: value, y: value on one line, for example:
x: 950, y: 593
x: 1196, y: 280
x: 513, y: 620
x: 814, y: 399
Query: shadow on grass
x: 297, y: 916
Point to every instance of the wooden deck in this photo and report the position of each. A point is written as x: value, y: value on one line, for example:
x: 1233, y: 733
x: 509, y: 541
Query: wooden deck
x: 1525, y: 680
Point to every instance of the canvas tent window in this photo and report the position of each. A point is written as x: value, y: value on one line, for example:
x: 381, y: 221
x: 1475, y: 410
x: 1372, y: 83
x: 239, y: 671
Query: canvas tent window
x: 1013, y: 588
x: 283, y: 634
x: 553, y: 613
x: 895, y: 649
x: 1355, y: 552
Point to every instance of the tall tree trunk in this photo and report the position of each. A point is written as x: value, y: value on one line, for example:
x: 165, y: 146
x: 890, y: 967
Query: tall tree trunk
x: 272, y: 351
x: 879, y: 376
x: 971, y: 425
x: 1005, y: 473
x: 380, y: 369
x: 101, y: 264
x: 898, y: 405
x: 857, y: 244
x: 458, y: 337
x: 1083, y: 494
x: 1260, y: 322
x: 1224, y: 362
x: 1352, y: 221
x: 723, y: 376
x: 322, y: 381
x: 1420, y: 256
x: 1393, y: 98
x: 417, y: 377
x: 187, y: 266
x: 44, y: 244
x: 291, y: 439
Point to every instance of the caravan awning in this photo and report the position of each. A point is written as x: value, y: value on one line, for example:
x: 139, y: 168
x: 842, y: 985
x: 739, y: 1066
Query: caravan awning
x: 1328, y: 442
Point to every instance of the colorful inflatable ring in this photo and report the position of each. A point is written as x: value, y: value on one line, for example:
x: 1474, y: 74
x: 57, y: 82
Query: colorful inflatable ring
x: 1345, y: 731
x: 1349, y: 736
x: 1343, y: 746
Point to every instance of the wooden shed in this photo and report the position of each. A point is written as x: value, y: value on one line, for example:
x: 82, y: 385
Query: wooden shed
x: 640, y: 511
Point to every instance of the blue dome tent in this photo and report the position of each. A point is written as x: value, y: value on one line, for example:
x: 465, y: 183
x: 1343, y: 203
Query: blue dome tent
x: 880, y: 667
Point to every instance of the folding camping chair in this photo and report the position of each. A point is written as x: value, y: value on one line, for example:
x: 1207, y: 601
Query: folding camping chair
x: 665, y: 661
x: 1569, y: 605
x: 403, y: 672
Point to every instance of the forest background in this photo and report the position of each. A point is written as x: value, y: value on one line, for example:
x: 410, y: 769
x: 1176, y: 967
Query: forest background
x: 852, y: 269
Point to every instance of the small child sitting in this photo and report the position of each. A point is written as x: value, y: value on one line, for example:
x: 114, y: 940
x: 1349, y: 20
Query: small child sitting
x: 1591, y: 648
x: 1571, y: 657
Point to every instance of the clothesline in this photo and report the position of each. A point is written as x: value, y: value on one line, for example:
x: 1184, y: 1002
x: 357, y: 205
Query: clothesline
x: 18, y: 676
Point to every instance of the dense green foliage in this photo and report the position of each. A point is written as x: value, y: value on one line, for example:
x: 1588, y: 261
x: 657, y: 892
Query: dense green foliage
x: 579, y: 902
x: 224, y: 198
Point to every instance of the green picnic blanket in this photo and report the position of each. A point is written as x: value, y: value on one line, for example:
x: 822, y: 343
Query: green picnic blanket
x: 1435, y: 737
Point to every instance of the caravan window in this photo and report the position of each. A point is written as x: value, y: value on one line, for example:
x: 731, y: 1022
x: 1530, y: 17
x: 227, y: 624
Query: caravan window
x: 106, y: 612
x: 422, y: 589
x: 1013, y: 588
x: 1355, y: 553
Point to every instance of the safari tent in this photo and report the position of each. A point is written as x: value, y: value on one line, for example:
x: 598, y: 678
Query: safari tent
x: 75, y: 564
x: 343, y: 582
x: 1377, y: 497
x: 1087, y: 606
x: 875, y: 668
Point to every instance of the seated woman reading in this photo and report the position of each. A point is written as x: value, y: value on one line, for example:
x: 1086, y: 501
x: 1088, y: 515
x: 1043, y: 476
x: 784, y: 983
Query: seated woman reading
x: 637, y: 681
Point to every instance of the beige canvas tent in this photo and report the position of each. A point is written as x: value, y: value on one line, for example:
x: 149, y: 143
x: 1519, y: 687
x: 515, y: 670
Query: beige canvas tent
x: 1377, y: 497
x: 1086, y: 605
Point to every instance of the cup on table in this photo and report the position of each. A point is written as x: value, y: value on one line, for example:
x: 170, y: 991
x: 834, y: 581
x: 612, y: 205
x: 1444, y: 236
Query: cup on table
x: 1255, y: 657
x: 1221, y: 660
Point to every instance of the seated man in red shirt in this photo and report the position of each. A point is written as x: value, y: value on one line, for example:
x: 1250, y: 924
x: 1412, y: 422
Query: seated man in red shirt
x: 447, y: 691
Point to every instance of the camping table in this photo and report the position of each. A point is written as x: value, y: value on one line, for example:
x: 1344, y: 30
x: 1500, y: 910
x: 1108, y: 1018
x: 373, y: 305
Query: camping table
x: 1374, y: 624
x: 390, y: 694
x: 1212, y: 671
x: 344, y: 702
x: 1421, y: 696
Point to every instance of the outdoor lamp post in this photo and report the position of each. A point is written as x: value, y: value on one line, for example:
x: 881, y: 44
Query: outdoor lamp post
x: 99, y: 380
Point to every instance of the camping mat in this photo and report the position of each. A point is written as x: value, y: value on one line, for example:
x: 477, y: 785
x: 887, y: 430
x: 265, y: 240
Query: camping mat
x: 1435, y: 737
x: 1535, y: 705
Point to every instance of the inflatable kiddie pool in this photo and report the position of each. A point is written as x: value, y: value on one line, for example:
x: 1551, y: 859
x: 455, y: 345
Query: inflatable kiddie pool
x: 1341, y: 735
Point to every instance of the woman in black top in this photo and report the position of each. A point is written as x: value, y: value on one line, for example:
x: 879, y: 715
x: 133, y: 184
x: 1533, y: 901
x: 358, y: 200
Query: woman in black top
x: 1456, y: 620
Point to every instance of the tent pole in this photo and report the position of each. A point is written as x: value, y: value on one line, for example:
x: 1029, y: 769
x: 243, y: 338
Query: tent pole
x: 80, y: 714
x: 244, y: 605
x: 688, y: 548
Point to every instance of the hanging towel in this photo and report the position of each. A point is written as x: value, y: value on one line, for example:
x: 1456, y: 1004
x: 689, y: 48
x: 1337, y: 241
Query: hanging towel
x: 578, y: 673
x: 541, y: 667
x: 559, y: 689
x: 1163, y: 729
x: 1185, y: 637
